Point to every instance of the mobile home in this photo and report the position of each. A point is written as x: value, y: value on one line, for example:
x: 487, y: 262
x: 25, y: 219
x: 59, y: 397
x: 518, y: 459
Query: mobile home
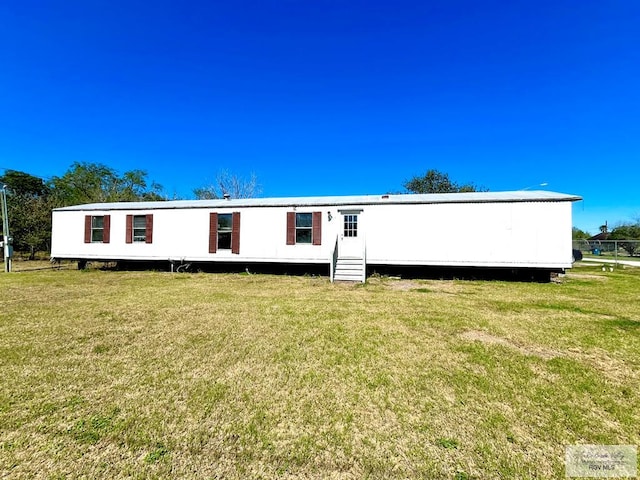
x: 521, y: 229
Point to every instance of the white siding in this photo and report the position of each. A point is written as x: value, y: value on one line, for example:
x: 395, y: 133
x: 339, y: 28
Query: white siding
x: 503, y: 234
x: 183, y: 234
x: 478, y: 234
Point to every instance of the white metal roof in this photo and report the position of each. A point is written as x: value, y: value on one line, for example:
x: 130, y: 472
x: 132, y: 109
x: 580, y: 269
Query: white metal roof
x: 470, y: 197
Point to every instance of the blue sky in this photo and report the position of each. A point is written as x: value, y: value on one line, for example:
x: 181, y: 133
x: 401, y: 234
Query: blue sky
x: 331, y: 97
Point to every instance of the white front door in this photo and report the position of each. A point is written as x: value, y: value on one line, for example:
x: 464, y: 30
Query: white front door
x: 351, y: 236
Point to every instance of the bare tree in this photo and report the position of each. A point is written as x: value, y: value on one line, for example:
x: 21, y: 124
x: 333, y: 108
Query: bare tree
x: 229, y: 184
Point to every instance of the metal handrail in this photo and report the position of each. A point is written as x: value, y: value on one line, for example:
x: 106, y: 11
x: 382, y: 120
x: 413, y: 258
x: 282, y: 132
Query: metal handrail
x: 364, y: 260
x: 333, y: 260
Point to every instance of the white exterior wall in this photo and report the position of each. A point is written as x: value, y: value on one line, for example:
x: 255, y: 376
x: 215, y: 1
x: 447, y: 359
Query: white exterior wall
x: 183, y: 234
x: 508, y: 234
x: 471, y: 234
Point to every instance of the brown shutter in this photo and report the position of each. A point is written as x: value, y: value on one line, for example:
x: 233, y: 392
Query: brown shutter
x: 291, y: 228
x: 316, y: 231
x: 87, y: 229
x: 106, y: 233
x: 129, y: 230
x: 235, y: 232
x: 213, y: 232
x: 148, y: 233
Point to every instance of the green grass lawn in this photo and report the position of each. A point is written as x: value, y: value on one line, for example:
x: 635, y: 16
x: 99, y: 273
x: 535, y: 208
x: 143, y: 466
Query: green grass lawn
x: 108, y: 374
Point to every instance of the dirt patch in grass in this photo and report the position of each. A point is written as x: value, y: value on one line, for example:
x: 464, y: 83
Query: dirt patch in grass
x: 402, y: 285
x: 423, y: 286
x: 613, y: 368
x: 587, y: 276
x: 487, y: 338
x: 37, y: 265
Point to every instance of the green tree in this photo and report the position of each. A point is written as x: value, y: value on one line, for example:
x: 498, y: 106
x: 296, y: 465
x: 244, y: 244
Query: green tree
x: 29, y: 208
x: 578, y: 234
x: 30, y: 222
x: 434, y: 181
x: 627, y: 231
x: 21, y: 183
x: 97, y: 183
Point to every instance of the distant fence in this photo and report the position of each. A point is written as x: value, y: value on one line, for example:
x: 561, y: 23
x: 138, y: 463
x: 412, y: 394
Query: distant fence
x: 609, y: 248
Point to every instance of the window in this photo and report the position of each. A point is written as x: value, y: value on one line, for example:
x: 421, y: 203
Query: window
x: 139, y: 228
x: 304, y: 227
x: 351, y: 225
x: 97, y: 228
x: 224, y: 231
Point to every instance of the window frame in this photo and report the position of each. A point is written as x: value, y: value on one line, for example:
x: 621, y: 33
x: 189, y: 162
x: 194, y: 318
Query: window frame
x: 137, y: 237
x: 294, y: 227
x: 89, y: 228
x: 95, y: 229
x: 226, y: 230
x: 134, y: 234
x: 350, y: 225
x: 304, y: 228
x: 235, y: 232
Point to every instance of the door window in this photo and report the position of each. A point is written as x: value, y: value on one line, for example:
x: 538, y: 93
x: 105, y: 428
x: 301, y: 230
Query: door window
x: 351, y: 225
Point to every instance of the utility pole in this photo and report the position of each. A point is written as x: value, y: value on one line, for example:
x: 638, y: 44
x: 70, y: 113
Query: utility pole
x: 7, y: 240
